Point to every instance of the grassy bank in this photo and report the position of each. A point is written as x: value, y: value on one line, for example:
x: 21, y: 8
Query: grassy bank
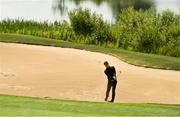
x: 26, y: 106
x: 135, y: 58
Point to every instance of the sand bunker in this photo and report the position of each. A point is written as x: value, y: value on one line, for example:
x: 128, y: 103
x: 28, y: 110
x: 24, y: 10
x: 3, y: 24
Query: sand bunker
x: 78, y: 75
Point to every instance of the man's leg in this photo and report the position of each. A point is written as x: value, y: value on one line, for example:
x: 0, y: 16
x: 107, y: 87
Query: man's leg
x: 113, y: 90
x: 108, y: 90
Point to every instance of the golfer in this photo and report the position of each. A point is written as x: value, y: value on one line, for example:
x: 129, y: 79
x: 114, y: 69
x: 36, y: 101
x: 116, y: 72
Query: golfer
x: 110, y: 72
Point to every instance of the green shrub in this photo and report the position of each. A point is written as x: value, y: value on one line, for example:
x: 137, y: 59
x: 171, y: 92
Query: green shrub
x: 149, y: 32
x: 82, y: 21
x: 90, y: 25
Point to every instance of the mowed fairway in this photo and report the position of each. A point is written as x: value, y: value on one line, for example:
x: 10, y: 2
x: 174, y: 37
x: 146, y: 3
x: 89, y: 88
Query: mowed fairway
x: 24, y: 106
x: 62, y: 73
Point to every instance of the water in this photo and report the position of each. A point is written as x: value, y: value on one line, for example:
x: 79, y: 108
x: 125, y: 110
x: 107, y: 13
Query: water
x: 51, y: 10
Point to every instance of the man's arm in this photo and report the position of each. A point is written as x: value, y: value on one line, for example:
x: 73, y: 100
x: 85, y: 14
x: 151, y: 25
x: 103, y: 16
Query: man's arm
x: 114, y: 75
x: 108, y: 74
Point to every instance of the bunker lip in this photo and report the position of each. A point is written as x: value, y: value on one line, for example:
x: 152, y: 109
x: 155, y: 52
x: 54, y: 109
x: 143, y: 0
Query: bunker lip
x: 64, y: 73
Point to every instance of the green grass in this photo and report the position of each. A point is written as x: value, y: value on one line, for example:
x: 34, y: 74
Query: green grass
x: 135, y: 58
x: 27, y: 106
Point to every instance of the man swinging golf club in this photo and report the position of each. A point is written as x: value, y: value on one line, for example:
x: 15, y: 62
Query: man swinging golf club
x: 110, y: 72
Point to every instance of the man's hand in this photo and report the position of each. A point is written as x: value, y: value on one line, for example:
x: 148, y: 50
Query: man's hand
x: 115, y: 78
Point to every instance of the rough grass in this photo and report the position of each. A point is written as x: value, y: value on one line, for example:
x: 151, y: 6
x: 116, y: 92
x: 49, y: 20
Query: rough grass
x: 135, y: 58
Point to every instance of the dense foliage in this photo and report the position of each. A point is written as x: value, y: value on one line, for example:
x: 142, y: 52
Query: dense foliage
x: 149, y: 32
x: 54, y: 30
x: 143, y: 30
x: 91, y: 25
